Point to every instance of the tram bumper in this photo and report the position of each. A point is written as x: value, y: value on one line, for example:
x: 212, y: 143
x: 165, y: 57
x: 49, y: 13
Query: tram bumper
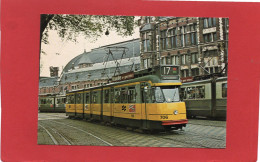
x: 175, y: 122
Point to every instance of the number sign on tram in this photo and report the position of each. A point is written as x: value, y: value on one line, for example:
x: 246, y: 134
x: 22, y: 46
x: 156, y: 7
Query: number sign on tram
x: 169, y: 70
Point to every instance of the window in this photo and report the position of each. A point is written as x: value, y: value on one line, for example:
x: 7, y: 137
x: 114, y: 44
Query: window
x: 131, y: 95
x: 71, y: 99
x: 209, y: 22
x: 182, y: 37
x: 163, y: 40
x: 183, y: 93
x: 146, y: 45
x: 197, y: 92
x: 111, y: 96
x: 184, y: 59
x: 163, y: 60
x: 175, y: 60
x: 123, y: 95
x: 173, y: 38
x: 94, y: 97
x: 210, y: 53
x: 210, y: 37
x: 200, y: 92
x: 187, y: 59
x: 194, y: 58
x: 165, y: 94
x: 106, y: 96
x: 190, y: 92
x: 63, y: 100
x: 79, y: 98
x: 186, y: 39
x: 59, y: 101
x: 184, y: 73
x: 168, y: 61
x: 117, y: 95
x: 195, y: 72
x: 224, y: 90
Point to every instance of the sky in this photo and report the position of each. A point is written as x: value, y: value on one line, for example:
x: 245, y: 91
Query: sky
x: 59, y: 53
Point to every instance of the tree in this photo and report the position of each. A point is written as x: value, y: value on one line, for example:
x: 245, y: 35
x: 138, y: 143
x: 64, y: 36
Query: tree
x: 69, y: 27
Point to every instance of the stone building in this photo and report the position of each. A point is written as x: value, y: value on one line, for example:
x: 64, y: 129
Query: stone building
x: 197, y: 45
x: 94, y: 68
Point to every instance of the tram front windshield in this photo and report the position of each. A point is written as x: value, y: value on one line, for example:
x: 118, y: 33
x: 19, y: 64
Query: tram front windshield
x: 166, y: 94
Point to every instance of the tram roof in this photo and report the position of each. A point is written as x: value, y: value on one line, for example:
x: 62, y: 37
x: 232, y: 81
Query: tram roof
x: 152, y: 78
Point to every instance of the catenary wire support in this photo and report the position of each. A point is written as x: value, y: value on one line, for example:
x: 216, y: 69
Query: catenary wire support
x: 111, y: 51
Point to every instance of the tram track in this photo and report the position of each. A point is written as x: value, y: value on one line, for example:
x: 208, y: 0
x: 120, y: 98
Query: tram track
x: 50, y: 135
x: 86, y: 132
x: 191, y: 139
x: 210, y: 125
x: 56, y: 137
x: 198, y: 134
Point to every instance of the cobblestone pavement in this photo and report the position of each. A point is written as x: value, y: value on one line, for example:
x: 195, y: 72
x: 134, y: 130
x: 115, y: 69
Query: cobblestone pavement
x: 57, y: 129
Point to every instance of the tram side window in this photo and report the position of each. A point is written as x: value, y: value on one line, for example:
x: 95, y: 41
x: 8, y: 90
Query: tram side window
x: 71, y: 99
x: 183, y: 94
x: 49, y: 101
x: 146, y: 93
x: 111, y: 95
x: 131, y: 95
x: 94, y: 97
x: 87, y: 99
x: 117, y: 95
x: 190, y: 92
x: 63, y: 100
x: 123, y: 95
x: 200, y: 92
x: 79, y: 98
x: 224, y: 90
x: 106, y: 96
x: 58, y: 101
x: 42, y: 101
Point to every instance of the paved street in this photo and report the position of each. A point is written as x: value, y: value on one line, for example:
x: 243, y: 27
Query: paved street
x: 57, y: 129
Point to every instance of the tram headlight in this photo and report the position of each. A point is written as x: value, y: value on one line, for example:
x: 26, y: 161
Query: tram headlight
x: 175, y: 112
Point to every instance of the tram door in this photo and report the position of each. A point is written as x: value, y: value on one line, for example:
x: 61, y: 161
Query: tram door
x: 144, y: 96
x: 111, y: 105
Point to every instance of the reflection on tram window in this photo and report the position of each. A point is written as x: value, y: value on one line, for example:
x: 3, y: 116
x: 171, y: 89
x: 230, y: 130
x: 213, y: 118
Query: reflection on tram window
x: 58, y: 101
x: 158, y: 95
x: 224, y: 90
x: 200, y: 92
x: 165, y: 94
x: 123, y: 95
x: 106, y: 96
x: 79, y: 98
x: 190, y: 93
x: 183, y: 94
x: 71, y: 99
x: 117, y: 95
x: 131, y: 95
x: 94, y: 98
x: 87, y: 99
x: 193, y: 92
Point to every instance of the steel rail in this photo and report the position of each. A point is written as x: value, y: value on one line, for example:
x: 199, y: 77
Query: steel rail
x: 52, y: 138
x: 85, y: 132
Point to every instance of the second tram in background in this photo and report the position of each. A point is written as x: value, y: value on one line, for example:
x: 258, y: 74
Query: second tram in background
x: 206, y: 98
x: 52, y: 103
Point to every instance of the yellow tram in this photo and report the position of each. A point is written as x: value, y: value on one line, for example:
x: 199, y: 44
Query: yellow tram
x: 147, y: 99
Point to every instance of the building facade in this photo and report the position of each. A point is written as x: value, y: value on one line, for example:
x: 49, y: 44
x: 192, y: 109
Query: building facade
x: 198, y: 45
x: 93, y: 68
